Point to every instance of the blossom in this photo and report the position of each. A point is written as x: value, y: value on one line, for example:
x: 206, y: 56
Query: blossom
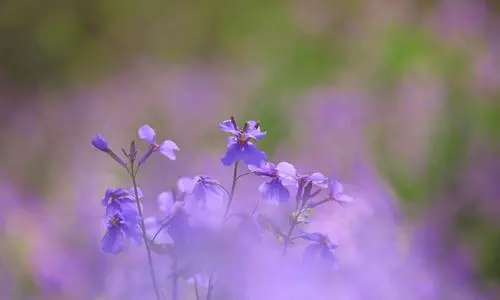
x: 166, y: 148
x: 170, y: 205
x: 205, y: 190
x: 100, y: 143
x: 154, y: 230
x: 317, y: 179
x: 119, y: 226
x: 274, y: 190
x: 239, y: 145
x: 119, y: 199
x: 336, y: 192
x: 320, y: 250
x: 174, y: 207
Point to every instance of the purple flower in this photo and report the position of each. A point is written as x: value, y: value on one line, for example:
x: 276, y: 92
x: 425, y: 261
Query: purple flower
x: 317, y: 179
x: 166, y: 148
x: 120, y: 226
x: 100, y: 143
x: 274, y: 190
x: 119, y: 199
x: 239, y: 145
x: 336, y: 192
x: 320, y: 250
x: 169, y: 204
x: 205, y: 191
x: 173, y: 205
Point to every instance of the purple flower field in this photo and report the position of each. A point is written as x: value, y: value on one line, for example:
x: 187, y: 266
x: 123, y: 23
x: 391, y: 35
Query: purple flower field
x: 206, y: 151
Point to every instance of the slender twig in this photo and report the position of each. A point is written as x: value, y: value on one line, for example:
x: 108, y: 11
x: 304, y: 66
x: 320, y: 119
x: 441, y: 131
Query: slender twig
x: 294, y: 222
x: 210, y: 286
x: 143, y: 227
x: 175, y: 278
x: 165, y: 224
x: 287, y: 237
x: 243, y: 174
x: 230, y: 201
x: 313, y: 205
x: 197, y: 293
x: 222, y: 187
x: 254, y: 209
x: 233, y: 188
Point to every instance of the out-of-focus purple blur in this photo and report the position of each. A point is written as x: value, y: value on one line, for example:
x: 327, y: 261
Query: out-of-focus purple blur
x: 398, y: 99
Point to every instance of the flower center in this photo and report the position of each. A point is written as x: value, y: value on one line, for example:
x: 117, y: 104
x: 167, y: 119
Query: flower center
x: 242, y: 138
x: 115, y: 220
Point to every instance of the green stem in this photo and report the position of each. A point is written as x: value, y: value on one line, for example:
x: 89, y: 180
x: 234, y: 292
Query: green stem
x: 143, y: 228
x: 233, y: 188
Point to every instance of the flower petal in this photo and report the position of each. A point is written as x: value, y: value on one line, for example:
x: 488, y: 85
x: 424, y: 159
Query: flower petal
x: 186, y: 184
x: 311, y: 252
x: 287, y: 173
x: 227, y: 126
x: 167, y: 148
x: 166, y: 202
x: 252, y: 155
x: 131, y: 193
x: 133, y: 232
x: 272, y: 191
x: 113, y: 241
x: 326, y: 256
x: 344, y: 198
x: 232, y: 154
x: 147, y: 133
x: 254, y: 132
x: 337, y: 188
x: 150, y: 223
x: 313, y: 237
x: 100, y: 143
x: 319, y: 179
x: 253, y: 168
x: 214, y: 199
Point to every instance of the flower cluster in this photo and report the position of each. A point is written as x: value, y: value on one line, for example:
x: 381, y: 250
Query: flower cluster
x: 205, y: 240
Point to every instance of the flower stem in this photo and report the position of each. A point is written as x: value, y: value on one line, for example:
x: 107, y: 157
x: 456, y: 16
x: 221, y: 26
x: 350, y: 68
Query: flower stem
x: 287, y: 238
x: 175, y: 278
x: 165, y: 224
x: 301, y: 203
x: 196, y: 288
x: 143, y: 227
x: 210, y: 286
x: 233, y: 188
x: 230, y: 201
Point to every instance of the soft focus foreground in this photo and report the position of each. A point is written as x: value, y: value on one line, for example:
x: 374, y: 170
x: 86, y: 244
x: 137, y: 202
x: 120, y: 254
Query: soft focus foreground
x: 397, y: 99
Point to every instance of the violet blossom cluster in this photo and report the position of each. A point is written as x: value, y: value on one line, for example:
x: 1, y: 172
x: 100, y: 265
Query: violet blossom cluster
x: 198, y: 231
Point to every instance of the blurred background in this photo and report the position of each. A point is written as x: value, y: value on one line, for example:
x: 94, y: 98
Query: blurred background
x: 410, y: 88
